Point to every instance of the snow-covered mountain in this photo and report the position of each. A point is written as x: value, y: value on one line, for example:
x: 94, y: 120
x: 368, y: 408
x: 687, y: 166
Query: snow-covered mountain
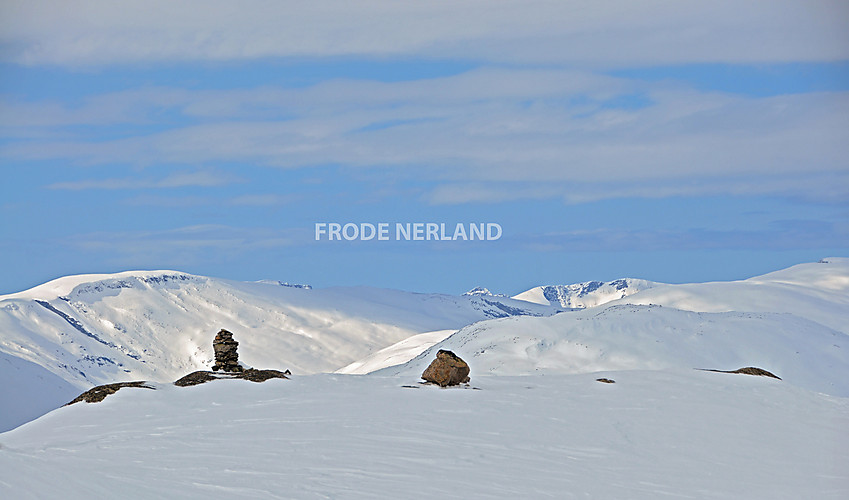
x: 80, y: 331
x: 586, y: 294
x: 158, y: 324
x: 817, y: 291
x: 539, y: 425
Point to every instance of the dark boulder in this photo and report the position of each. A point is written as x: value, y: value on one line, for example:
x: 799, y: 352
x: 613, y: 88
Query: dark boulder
x: 447, y: 369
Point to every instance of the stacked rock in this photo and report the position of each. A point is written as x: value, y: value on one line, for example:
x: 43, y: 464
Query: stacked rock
x: 226, y: 357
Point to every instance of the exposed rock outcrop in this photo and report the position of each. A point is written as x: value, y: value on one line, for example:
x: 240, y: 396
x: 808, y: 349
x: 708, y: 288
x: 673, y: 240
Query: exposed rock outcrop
x: 251, y: 374
x: 99, y: 393
x: 749, y: 370
x: 447, y: 369
x: 226, y: 356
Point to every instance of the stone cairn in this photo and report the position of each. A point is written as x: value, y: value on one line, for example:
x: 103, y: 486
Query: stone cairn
x: 226, y: 357
x: 447, y: 369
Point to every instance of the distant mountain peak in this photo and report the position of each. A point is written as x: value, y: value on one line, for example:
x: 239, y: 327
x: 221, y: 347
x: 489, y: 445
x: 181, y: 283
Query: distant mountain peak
x: 480, y: 291
x: 286, y: 284
x: 585, y: 294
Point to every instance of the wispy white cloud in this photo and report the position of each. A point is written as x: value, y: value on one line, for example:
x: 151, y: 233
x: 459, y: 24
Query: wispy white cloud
x: 491, y: 192
x: 823, y: 188
x: 245, y: 200
x: 186, y: 245
x: 176, y: 180
x: 351, y: 103
x: 135, y: 106
x: 156, y: 200
x: 81, y: 32
x: 779, y: 235
x: 553, y: 128
x: 263, y: 200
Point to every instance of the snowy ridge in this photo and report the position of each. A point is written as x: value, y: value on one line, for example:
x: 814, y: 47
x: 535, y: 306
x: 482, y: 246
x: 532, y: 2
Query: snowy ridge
x: 794, y: 321
x: 583, y: 295
x: 396, y: 354
x: 66, y: 284
x: 635, y: 337
x: 816, y: 291
x: 285, y: 283
x: 480, y: 291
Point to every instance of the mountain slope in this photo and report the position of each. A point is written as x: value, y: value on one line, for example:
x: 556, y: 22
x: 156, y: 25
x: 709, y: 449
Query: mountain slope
x: 633, y: 337
x: 81, y: 331
x: 29, y: 390
x: 159, y: 325
x: 815, y: 291
x: 397, y: 353
x: 794, y: 322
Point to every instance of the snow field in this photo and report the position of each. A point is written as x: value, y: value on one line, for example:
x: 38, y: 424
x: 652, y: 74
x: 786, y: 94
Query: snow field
x: 650, y: 435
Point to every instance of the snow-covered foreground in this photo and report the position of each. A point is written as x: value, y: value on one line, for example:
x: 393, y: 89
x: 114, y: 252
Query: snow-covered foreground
x: 652, y: 434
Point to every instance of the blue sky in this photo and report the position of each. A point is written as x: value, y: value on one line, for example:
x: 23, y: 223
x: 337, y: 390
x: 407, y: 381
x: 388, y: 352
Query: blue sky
x: 664, y: 140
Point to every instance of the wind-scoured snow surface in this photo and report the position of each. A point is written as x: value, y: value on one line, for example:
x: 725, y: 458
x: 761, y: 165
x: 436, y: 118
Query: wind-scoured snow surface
x: 535, y: 423
x: 652, y: 434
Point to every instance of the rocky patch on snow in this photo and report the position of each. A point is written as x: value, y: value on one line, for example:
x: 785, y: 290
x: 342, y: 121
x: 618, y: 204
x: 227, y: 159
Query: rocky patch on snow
x: 252, y: 374
x: 99, y: 393
x: 749, y: 370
